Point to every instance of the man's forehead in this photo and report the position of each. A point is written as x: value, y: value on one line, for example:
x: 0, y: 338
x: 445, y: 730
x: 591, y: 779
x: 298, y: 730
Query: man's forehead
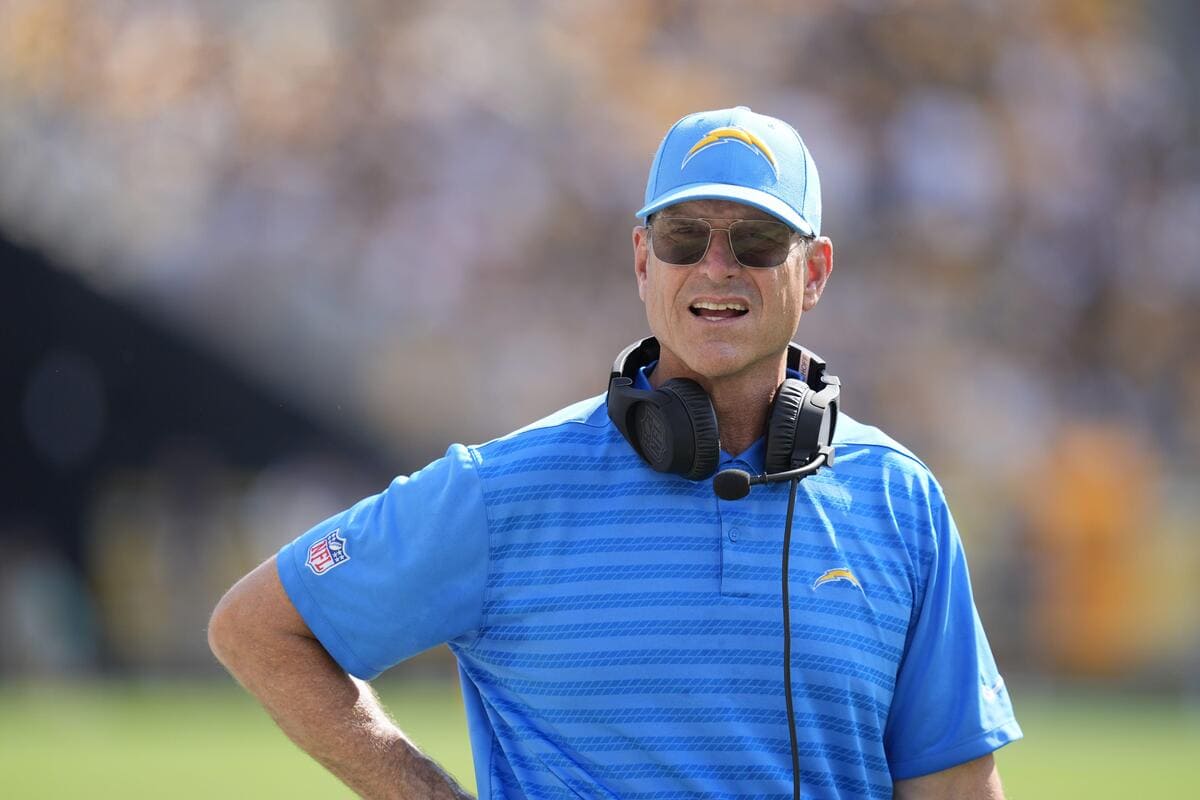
x: 716, y: 209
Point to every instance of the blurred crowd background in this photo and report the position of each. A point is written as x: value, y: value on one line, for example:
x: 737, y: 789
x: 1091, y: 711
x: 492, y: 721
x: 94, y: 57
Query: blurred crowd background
x: 259, y: 257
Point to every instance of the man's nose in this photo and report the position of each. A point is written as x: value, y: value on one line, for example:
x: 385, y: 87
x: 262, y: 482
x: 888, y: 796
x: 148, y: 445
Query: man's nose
x: 719, y: 262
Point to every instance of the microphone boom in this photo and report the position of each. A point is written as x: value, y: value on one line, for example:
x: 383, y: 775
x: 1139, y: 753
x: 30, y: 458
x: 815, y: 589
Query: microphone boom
x: 734, y: 484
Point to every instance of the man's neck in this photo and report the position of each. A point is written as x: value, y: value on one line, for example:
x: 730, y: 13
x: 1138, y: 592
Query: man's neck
x: 741, y: 401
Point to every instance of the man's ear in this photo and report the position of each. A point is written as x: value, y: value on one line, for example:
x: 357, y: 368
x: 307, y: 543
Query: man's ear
x: 641, y: 255
x: 818, y: 266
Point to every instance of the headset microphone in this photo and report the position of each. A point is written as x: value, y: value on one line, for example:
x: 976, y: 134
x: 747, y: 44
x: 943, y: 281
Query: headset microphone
x: 734, y: 484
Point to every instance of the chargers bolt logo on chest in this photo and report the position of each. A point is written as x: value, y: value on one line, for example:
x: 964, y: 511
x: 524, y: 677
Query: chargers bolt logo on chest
x: 327, y: 553
x: 840, y: 574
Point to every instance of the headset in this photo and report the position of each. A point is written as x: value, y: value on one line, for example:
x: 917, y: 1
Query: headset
x: 674, y: 429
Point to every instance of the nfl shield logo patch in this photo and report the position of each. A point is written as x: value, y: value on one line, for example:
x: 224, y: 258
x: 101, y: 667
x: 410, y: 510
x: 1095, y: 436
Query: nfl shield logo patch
x: 327, y: 553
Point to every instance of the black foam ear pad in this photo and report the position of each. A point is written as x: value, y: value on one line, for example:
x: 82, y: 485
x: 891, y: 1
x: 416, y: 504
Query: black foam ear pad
x: 705, y: 442
x: 782, y: 427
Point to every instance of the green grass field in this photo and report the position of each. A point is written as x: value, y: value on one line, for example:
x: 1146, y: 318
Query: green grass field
x: 209, y: 740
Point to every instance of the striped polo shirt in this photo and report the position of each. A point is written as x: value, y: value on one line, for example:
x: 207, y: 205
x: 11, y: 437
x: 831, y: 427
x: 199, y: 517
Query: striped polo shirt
x: 618, y: 631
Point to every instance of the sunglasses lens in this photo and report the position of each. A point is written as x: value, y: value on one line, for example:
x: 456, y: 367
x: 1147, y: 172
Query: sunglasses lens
x: 760, y: 243
x: 680, y: 241
x: 757, y: 243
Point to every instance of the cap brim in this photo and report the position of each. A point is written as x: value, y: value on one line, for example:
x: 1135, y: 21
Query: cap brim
x: 738, y: 194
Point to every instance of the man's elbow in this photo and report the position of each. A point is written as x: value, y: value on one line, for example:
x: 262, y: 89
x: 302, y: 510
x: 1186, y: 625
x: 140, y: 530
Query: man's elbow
x: 255, y: 626
x: 224, y: 632
x: 233, y: 625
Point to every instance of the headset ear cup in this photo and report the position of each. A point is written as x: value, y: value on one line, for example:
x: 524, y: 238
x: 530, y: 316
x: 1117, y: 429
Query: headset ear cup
x: 782, y: 426
x: 650, y: 435
x: 705, y: 442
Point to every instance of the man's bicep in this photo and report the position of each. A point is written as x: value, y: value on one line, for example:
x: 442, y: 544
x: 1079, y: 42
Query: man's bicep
x: 256, y: 606
x: 974, y: 780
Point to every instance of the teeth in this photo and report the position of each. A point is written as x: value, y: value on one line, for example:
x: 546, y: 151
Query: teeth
x: 719, y: 306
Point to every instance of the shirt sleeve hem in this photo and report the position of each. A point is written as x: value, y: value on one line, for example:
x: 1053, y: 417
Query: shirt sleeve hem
x: 469, y: 642
x: 318, y: 623
x: 973, y: 748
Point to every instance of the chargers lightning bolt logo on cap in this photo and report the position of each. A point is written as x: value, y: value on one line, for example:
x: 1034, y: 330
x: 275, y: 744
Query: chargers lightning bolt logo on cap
x: 733, y: 133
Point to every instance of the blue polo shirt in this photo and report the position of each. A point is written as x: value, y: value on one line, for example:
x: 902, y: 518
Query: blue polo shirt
x: 618, y: 630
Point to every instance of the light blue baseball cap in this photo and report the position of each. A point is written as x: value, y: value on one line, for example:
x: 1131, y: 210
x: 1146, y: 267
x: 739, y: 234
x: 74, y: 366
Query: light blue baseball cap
x: 735, y: 154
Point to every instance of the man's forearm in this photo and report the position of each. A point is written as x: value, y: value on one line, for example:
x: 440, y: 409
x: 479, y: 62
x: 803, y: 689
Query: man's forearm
x: 334, y: 717
x: 341, y: 724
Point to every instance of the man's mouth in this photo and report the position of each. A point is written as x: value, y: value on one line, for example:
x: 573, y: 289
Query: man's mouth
x: 717, y: 311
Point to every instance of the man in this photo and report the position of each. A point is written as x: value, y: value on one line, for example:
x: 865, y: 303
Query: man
x: 617, y: 625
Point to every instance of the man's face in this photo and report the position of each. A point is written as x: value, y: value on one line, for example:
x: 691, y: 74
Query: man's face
x: 704, y: 342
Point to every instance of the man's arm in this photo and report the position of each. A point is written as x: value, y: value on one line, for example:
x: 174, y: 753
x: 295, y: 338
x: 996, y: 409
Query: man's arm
x: 262, y: 640
x: 974, y: 780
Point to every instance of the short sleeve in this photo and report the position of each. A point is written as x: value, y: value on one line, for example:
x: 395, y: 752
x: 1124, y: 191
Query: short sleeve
x: 397, y: 573
x: 950, y: 704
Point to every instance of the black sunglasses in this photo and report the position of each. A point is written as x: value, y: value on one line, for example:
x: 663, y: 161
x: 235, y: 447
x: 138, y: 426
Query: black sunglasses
x: 756, y: 243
